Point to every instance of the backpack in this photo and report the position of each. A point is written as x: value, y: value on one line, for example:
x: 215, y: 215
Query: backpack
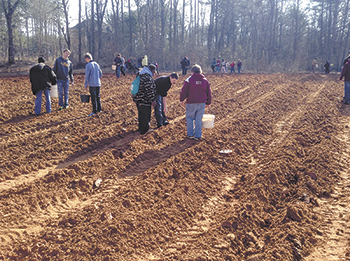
x: 134, y: 88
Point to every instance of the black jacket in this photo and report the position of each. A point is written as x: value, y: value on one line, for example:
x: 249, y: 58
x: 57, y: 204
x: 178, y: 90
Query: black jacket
x: 163, y: 85
x: 41, y: 77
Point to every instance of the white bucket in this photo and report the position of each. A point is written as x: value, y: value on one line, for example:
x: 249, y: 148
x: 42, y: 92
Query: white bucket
x: 208, y: 121
x: 54, y: 91
x: 114, y: 67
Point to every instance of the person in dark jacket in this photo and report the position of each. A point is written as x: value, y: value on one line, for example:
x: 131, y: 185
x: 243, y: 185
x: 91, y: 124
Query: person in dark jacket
x: 196, y: 90
x: 346, y: 59
x: 327, y: 65
x: 185, y: 62
x: 63, y: 69
x: 119, y: 62
x: 345, y: 73
x: 41, y: 77
x: 163, y: 85
x: 145, y: 98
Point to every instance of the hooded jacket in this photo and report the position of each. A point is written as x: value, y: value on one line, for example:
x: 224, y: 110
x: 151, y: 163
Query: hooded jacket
x: 147, y: 89
x: 41, y: 76
x: 196, y: 89
x: 63, y: 68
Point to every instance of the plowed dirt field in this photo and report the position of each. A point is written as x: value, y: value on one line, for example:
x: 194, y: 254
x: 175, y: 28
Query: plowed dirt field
x: 74, y: 187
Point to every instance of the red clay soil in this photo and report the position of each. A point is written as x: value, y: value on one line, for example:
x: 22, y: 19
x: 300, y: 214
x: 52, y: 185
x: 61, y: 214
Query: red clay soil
x: 74, y: 187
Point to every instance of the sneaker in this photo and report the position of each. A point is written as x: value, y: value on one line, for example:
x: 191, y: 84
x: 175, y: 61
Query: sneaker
x: 66, y: 107
x: 92, y: 113
x: 165, y: 123
x: 198, y: 139
x: 189, y: 137
x: 61, y: 108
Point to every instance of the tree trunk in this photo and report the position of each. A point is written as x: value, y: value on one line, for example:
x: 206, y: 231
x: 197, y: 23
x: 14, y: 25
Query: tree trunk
x: 8, y: 14
x: 79, y: 51
x: 66, y: 35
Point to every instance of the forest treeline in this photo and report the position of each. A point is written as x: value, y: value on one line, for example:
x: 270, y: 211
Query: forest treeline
x: 267, y: 35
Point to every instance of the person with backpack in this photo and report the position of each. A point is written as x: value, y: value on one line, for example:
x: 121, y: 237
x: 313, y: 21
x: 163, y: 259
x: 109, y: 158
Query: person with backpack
x: 197, y: 93
x: 145, y: 98
x: 41, y: 77
x: 163, y: 85
x: 185, y: 62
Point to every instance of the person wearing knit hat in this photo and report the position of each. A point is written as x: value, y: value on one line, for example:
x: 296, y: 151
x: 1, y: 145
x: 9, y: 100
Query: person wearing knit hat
x: 41, y: 77
x: 197, y: 93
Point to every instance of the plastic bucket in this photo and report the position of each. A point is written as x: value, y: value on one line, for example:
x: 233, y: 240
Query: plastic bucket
x: 208, y: 121
x: 54, y: 91
x: 114, y: 67
x: 85, y: 98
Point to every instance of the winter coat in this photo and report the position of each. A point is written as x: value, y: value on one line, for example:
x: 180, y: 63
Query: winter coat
x: 345, y: 72
x: 41, y: 76
x: 147, y: 88
x: 196, y: 89
x: 63, y: 69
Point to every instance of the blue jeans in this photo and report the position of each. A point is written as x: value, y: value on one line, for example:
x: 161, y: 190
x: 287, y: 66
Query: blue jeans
x: 184, y: 70
x: 37, y: 108
x: 159, y: 111
x: 217, y: 68
x: 233, y: 69
x: 63, y: 90
x: 95, y: 99
x: 239, y: 69
x: 347, y: 91
x: 117, y: 71
x: 194, y: 113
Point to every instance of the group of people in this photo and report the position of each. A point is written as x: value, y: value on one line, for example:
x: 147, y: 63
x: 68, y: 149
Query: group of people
x: 152, y: 92
x: 326, y: 66
x: 42, y: 77
x: 222, y: 66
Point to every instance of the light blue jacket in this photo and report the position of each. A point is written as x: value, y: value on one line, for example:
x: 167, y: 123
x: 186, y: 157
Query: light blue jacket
x: 93, y: 74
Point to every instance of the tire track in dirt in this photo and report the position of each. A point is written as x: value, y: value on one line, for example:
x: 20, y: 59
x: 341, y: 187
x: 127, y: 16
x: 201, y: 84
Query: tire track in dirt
x: 281, y: 132
x: 334, y: 235
x: 212, y: 202
x: 134, y: 169
x: 217, y: 202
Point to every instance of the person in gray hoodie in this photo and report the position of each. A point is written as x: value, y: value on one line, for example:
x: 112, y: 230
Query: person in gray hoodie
x: 93, y: 76
x: 41, y: 77
x: 63, y: 69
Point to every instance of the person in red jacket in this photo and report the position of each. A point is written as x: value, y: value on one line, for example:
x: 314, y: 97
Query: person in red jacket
x: 196, y: 90
x: 232, y: 65
x: 346, y: 73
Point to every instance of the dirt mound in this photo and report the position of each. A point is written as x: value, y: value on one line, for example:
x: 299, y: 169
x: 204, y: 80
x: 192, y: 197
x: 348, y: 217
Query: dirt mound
x: 91, y: 188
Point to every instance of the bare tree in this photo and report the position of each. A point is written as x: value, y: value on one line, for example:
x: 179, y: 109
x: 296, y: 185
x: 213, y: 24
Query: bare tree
x: 66, y: 33
x: 9, y: 10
